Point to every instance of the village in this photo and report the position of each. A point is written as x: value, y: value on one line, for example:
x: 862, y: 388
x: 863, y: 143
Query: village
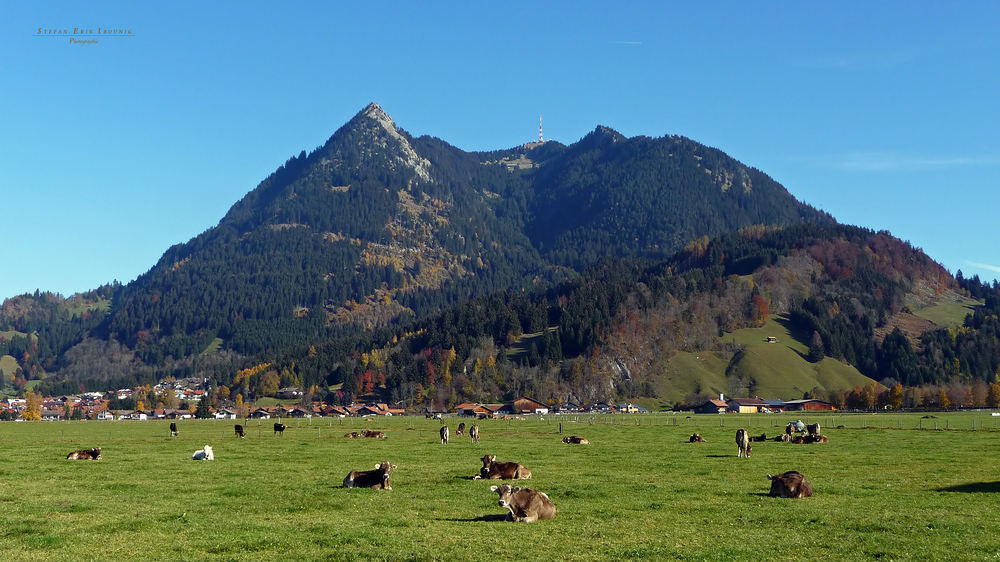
x: 189, y: 393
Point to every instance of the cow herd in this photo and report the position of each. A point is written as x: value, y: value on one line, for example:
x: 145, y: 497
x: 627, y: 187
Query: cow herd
x: 524, y: 504
x: 790, y: 484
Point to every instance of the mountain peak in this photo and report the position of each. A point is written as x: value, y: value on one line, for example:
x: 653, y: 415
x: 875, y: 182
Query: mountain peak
x: 373, y: 118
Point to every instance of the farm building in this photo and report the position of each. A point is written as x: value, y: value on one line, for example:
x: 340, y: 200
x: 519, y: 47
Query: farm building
x: 525, y: 405
x: 746, y: 405
x: 713, y: 406
x: 809, y: 405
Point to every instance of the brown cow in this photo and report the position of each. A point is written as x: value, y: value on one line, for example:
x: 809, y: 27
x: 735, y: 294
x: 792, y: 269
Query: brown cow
x: 474, y: 433
x: 460, y: 430
x: 789, y: 485
x: 800, y: 439
x: 353, y: 435
x: 444, y: 435
x: 576, y: 440
x: 743, y: 443
x: 783, y: 438
x: 821, y: 439
x: 377, y: 479
x: 239, y: 431
x: 280, y: 428
x: 493, y: 470
x: 85, y: 455
x: 524, y: 505
x: 173, y: 429
x: 695, y: 438
x: 372, y: 434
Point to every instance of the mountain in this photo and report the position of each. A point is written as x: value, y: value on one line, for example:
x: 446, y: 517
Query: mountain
x: 375, y: 227
x: 378, y: 240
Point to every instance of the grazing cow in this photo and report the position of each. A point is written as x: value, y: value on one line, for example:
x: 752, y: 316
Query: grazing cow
x: 813, y: 429
x: 372, y: 434
x: 205, y: 454
x: 524, y: 505
x: 85, y: 455
x: 493, y: 470
x: 444, y: 435
x: 460, y: 430
x: 789, y: 485
x: 743, y: 443
x: 576, y: 440
x: 280, y: 428
x: 377, y: 479
x: 352, y: 435
x: 239, y: 431
x: 173, y: 429
x: 474, y: 433
x: 695, y: 438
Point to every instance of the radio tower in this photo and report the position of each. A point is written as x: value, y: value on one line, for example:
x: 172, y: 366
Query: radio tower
x: 540, y: 128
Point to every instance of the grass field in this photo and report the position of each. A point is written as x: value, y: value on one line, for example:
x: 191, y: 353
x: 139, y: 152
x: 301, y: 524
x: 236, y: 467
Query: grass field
x: 883, y: 490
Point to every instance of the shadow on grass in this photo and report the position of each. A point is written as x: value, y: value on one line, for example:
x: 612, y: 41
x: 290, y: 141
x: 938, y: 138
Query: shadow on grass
x: 491, y: 517
x: 467, y: 477
x: 718, y: 456
x: 974, y: 487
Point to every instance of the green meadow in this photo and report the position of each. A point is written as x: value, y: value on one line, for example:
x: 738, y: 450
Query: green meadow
x: 887, y: 487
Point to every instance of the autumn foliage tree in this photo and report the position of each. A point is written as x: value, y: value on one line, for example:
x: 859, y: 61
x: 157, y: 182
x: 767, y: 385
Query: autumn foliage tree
x: 33, y: 410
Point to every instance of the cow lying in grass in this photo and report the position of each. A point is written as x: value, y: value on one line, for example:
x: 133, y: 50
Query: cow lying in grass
x: 493, y: 470
x: 758, y: 438
x: 524, y: 505
x: 205, y: 454
x: 695, y: 438
x: 372, y: 434
x: 576, y: 440
x: 789, y: 485
x: 85, y: 455
x: 377, y: 479
x: 352, y: 435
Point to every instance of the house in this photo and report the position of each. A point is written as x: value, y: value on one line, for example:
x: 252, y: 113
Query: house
x: 713, y: 406
x: 106, y: 415
x: 746, y: 405
x: 525, y: 405
x: 484, y: 411
x: 52, y: 415
x: 292, y: 392
x: 809, y: 405
x: 772, y: 339
x: 568, y: 408
x: 628, y: 408
x: 467, y: 409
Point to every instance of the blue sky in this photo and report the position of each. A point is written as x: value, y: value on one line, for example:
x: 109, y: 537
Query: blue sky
x: 884, y: 114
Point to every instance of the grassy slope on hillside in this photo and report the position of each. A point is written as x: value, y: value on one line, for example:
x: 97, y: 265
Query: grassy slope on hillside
x: 949, y: 312
x: 279, y: 498
x: 780, y: 370
x: 8, y: 365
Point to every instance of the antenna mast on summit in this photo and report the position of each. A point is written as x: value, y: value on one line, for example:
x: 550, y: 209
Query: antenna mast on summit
x: 540, y: 128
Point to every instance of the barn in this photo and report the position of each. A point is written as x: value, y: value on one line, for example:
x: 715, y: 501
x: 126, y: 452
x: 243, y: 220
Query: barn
x: 713, y: 406
x: 525, y: 405
x: 810, y: 405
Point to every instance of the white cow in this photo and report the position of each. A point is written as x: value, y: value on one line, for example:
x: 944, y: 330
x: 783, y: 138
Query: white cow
x: 205, y: 454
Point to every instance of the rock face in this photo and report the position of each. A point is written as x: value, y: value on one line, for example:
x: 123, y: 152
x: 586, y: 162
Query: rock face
x: 385, y: 134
